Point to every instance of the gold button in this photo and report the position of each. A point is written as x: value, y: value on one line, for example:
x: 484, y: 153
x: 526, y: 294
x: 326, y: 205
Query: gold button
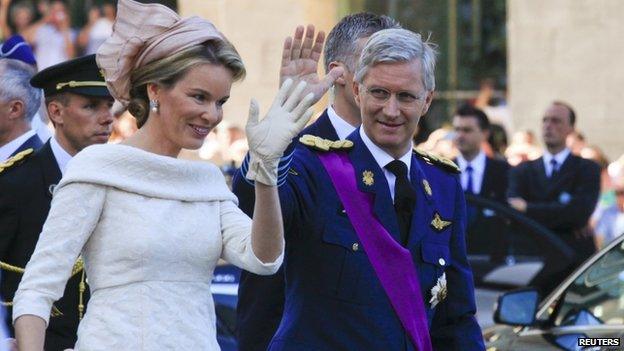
x: 355, y: 246
x: 442, y: 262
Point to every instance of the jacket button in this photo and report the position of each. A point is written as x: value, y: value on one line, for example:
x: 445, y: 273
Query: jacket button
x: 355, y: 246
x: 442, y: 262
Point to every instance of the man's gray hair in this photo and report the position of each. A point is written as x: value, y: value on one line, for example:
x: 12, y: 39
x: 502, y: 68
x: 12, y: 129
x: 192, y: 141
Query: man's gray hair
x: 15, y: 85
x: 398, y: 45
x: 341, y: 43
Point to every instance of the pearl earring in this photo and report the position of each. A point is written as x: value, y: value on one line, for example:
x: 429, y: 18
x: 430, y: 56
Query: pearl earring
x: 154, y: 105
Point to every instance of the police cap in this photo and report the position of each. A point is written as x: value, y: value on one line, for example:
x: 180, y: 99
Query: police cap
x: 79, y: 76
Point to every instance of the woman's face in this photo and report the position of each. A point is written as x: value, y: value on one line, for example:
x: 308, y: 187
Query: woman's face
x: 193, y: 106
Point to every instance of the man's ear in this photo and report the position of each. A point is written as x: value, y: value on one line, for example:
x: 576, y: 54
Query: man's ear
x: 356, y: 92
x: 55, y: 112
x: 428, y: 100
x: 16, y: 109
x: 340, y: 81
x: 486, y: 134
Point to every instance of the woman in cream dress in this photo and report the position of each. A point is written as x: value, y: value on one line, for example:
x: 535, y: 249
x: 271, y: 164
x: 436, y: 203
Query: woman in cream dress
x: 151, y: 227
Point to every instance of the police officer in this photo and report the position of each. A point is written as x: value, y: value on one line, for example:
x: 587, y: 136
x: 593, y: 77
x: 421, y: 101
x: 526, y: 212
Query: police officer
x: 377, y: 260
x: 78, y: 104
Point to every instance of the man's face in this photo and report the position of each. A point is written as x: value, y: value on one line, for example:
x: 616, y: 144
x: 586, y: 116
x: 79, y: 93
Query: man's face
x: 556, y: 126
x: 468, y: 135
x: 84, y: 121
x: 392, y: 98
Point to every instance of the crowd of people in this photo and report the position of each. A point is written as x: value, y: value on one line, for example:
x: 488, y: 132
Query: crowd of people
x: 349, y: 235
x: 47, y: 27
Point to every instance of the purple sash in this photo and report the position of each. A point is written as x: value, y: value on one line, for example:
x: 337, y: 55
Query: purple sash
x: 392, y: 263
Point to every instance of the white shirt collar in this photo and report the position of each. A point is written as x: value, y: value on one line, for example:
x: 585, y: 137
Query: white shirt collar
x: 62, y: 157
x: 560, y: 157
x: 343, y: 129
x: 477, y: 164
x: 478, y: 170
x: 7, y: 150
x: 383, y: 158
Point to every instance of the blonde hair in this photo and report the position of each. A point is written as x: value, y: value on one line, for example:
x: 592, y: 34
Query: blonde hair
x: 169, y: 70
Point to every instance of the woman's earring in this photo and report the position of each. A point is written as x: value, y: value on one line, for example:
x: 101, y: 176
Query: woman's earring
x: 154, y: 105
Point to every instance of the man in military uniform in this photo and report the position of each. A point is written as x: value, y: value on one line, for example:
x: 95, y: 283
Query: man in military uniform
x: 261, y: 298
x: 377, y: 260
x: 19, y: 103
x: 78, y: 103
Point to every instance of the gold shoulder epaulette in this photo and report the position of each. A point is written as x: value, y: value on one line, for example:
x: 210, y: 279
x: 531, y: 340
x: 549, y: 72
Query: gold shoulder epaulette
x: 439, y: 161
x: 16, y: 159
x: 321, y: 144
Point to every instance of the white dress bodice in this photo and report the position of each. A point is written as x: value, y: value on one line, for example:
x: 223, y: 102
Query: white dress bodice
x: 151, y: 230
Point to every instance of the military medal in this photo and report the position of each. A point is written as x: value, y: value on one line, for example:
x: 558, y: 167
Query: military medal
x: 439, y: 291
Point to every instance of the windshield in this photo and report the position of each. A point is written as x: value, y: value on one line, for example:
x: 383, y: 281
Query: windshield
x: 596, y: 297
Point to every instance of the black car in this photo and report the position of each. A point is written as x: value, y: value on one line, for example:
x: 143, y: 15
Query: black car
x: 507, y: 250
x: 586, y: 312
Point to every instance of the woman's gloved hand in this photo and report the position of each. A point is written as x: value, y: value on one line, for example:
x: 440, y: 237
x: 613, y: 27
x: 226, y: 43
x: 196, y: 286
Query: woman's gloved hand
x: 268, y: 138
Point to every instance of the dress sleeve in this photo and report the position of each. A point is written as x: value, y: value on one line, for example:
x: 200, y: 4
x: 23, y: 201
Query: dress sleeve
x: 236, y: 234
x: 74, y: 213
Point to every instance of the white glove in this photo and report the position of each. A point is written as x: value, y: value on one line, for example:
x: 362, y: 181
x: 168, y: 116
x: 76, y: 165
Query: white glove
x: 268, y: 139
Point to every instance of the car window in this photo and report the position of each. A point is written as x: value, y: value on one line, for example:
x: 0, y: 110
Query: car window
x: 597, y: 295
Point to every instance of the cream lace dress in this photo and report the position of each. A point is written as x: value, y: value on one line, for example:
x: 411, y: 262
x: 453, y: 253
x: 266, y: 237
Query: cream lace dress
x: 151, y: 230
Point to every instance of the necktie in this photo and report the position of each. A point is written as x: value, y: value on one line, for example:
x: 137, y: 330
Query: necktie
x: 469, y: 185
x: 404, y: 198
x: 471, y: 211
x: 554, y: 168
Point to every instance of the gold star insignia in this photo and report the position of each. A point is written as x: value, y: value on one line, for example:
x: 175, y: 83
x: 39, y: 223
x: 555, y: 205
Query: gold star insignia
x: 102, y: 73
x: 438, y: 223
x: 367, y: 178
x: 427, y: 187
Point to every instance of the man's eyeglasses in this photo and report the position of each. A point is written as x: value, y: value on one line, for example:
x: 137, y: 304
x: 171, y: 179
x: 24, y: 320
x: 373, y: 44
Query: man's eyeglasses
x: 404, y: 98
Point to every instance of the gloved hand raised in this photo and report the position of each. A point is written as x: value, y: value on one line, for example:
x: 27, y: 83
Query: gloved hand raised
x: 268, y: 138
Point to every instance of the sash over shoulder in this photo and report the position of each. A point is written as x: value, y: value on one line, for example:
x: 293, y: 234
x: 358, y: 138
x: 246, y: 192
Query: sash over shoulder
x: 134, y: 170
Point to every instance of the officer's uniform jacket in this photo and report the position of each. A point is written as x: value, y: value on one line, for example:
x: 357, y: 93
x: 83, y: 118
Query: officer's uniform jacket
x: 31, y: 143
x: 334, y: 300
x: 261, y: 297
x: 25, y: 196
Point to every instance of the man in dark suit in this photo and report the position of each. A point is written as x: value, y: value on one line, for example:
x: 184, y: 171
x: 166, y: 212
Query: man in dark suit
x: 483, y: 176
x: 81, y: 114
x: 379, y: 263
x: 19, y: 102
x: 261, y: 298
x: 559, y: 190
